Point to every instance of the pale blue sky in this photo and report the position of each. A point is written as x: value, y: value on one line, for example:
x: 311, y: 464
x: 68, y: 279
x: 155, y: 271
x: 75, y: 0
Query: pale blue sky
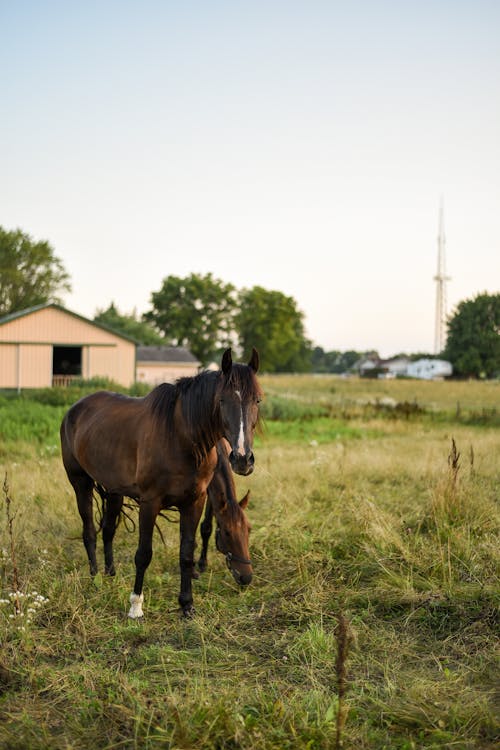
x: 300, y: 146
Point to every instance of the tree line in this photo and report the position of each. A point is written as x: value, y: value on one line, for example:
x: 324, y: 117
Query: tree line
x: 206, y: 315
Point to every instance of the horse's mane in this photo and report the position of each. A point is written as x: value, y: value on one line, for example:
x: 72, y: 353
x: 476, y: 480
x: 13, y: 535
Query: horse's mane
x: 199, y: 398
x: 232, y: 507
x: 161, y: 401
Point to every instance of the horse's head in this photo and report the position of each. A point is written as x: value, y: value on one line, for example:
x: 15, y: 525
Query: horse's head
x: 231, y: 539
x: 239, y: 398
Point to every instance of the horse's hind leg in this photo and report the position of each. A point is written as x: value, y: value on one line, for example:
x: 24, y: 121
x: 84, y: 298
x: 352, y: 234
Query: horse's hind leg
x: 206, y: 532
x: 83, y: 486
x: 111, y: 516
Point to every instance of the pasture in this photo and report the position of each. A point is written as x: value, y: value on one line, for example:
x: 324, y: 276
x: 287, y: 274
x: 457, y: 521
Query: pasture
x: 374, y: 512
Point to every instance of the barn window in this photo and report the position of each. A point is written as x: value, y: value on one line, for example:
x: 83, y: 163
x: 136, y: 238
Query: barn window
x: 66, y: 364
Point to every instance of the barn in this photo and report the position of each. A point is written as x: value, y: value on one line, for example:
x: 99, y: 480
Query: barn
x: 164, y: 364
x: 48, y: 345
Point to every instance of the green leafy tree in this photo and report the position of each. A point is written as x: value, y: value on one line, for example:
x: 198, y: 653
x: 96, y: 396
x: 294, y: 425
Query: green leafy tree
x: 30, y: 273
x: 196, y: 312
x: 129, y: 325
x: 322, y: 361
x: 473, y: 342
x: 271, y: 322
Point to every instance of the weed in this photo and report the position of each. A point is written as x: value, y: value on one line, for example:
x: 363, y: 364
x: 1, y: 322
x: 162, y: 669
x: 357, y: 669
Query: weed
x: 344, y: 638
x: 10, y: 535
x: 24, y: 603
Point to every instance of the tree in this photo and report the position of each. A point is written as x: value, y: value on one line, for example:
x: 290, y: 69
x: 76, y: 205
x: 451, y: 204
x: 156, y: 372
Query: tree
x: 322, y: 361
x: 30, y: 273
x: 129, y: 325
x: 196, y: 312
x: 271, y: 322
x: 473, y: 342
x: 333, y: 361
x: 339, y: 362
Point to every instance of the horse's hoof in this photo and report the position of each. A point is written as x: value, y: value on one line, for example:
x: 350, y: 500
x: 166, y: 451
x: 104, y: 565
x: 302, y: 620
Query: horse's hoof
x: 135, y: 618
x: 135, y: 612
x: 189, y: 611
x: 110, y: 571
x: 202, y: 566
x: 195, y: 573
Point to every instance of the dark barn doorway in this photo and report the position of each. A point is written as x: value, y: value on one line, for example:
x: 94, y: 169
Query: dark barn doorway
x: 66, y: 363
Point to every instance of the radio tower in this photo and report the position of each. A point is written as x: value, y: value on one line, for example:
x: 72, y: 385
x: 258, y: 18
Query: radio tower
x: 440, y: 278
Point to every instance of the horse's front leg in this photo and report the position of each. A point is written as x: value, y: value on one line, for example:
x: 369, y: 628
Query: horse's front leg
x: 190, y: 518
x: 206, y: 532
x: 148, y: 512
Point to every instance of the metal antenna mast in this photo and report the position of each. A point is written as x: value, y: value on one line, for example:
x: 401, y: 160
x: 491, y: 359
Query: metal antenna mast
x: 440, y: 278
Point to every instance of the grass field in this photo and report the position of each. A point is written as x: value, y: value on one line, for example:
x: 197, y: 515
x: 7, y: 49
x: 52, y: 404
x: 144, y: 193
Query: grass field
x: 362, y: 513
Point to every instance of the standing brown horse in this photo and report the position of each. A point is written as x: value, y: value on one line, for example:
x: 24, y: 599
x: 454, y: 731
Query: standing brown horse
x: 232, y: 529
x: 161, y: 451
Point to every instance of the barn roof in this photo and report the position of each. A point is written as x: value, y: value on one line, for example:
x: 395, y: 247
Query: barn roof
x: 165, y: 354
x: 29, y: 310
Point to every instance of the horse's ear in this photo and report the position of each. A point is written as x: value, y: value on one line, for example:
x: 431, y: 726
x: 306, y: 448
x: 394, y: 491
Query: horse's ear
x: 244, y: 500
x: 227, y: 362
x: 254, y: 360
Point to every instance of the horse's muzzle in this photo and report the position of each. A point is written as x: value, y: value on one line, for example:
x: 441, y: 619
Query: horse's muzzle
x: 242, y: 464
x: 244, y: 579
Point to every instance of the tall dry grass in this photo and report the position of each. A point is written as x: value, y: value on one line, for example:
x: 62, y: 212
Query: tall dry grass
x: 376, y: 525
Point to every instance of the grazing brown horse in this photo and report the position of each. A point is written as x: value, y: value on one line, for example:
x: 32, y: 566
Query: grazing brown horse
x: 161, y: 451
x: 232, y: 530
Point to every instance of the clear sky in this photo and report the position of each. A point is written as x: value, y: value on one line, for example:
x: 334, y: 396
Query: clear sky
x: 299, y: 146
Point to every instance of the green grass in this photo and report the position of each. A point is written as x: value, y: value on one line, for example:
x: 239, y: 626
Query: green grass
x: 354, y: 511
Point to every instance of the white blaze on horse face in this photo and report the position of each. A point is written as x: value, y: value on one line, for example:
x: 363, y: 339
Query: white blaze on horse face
x: 241, y: 435
x: 136, y: 601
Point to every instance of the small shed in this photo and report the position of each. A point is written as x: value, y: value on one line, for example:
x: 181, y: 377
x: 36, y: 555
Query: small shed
x: 164, y: 364
x: 396, y: 366
x: 48, y: 345
x: 367, y: 366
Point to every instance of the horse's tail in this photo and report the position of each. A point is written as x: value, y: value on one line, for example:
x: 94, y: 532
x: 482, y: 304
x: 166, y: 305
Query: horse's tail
x: 128, y: 521
x: 124, y: 515
x: 101, y: 508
